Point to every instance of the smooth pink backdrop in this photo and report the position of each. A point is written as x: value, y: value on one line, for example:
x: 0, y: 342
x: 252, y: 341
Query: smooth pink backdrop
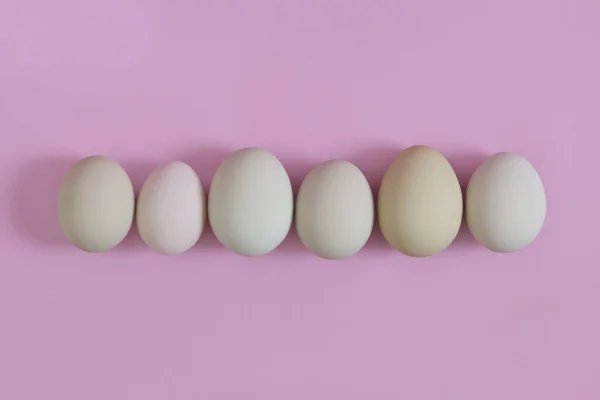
x: 151, y: 81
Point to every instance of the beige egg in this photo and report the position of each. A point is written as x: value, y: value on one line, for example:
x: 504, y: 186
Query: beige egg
x: 96, y: 204
x: 251, y: 202
x: 335, y: 210
x: 420, y: 202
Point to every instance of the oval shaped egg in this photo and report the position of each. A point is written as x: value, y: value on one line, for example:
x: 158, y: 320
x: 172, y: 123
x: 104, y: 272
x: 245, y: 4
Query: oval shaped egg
x: 250, y: 202
x: 420, y: 202
x: 505, y: 203
x: 96, y: 204
x: 170, y: 209
x: 334, y: 210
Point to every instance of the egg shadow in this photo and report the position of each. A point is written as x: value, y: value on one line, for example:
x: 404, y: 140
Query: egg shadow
x: 292, y: 244
x: 465, y: 162
x: 34, y: 203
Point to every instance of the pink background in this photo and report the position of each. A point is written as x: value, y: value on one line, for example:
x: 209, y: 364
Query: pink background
x: 151, y: 81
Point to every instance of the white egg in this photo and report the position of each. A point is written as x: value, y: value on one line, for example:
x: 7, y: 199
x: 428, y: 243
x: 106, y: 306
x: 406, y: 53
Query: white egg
x: 250, y: 202
x: 334, y: 210
x: 170, y: 212
x: 505, y: 203
x: 96, y: 204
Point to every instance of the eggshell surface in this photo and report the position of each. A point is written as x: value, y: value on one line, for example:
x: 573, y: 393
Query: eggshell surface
x: 505, y: 203
x: 334, y: 210
x: 420, y: 202
x: 96, y: 204
x: 170, y: 212
x: 250, y: 202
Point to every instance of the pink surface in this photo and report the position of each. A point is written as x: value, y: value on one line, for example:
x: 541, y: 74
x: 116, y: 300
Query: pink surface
x: 151, y: 81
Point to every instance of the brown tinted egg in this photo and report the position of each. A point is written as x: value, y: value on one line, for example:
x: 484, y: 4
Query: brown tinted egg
x: 420, y: 202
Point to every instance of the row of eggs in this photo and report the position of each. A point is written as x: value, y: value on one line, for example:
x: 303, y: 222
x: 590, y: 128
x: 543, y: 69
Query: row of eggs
x: 251, y: 205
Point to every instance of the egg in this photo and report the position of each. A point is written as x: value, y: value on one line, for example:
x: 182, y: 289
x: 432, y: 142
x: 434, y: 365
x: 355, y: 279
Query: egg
x: 334, y: 210
x: 250, y: 202
x: 505, y: 203
x: 420, y: 202
x: 96, y: 204
x: 170, y: 208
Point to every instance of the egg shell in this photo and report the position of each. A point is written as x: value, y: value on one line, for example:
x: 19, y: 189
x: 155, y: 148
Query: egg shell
x: 505, y: 203
x: 334, y: 210
x: 96, y: 204
x: 170, y: 212
x: 250, y: 202
x: 420, y: 202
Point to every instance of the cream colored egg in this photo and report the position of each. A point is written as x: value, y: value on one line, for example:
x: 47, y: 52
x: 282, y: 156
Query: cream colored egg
x: 505, y: 203
x: 334, y: 210
x: 96, y: 204
x: 170, y: 212
x: 420, y: 202
x: 250, y: 202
